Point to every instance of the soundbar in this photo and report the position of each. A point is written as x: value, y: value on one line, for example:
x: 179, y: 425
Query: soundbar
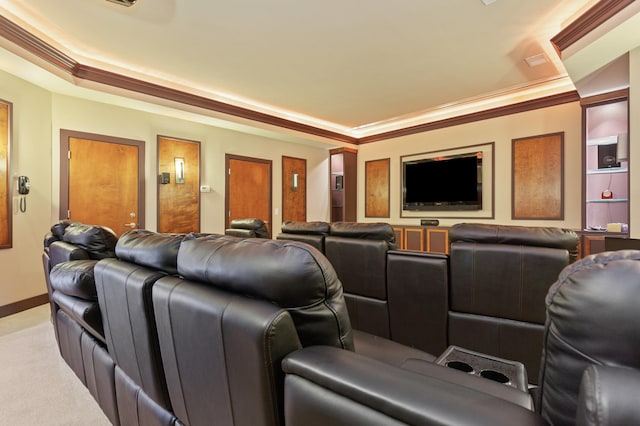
x: 429, y: 222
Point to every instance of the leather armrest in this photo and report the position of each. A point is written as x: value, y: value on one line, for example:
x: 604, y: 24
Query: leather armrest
x: 61, y: 251
x: 609, y: 396
x: 324, y: 385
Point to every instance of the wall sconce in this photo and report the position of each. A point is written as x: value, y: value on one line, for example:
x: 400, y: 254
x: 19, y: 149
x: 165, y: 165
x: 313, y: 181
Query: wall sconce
x: 179, y: 169
x: 294, y: 182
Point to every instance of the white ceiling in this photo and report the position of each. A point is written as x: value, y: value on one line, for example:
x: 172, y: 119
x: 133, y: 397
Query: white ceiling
x: 342, y: 65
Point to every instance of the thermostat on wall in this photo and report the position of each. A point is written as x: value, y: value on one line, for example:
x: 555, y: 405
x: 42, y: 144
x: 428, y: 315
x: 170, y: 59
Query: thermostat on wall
x: 205, y: 188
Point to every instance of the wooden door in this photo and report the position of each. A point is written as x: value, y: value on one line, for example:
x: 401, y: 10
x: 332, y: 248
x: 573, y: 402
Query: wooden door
x: 294, y: 189
x: 248, y: 189
x: 103, y: 183
x: 178, y: 199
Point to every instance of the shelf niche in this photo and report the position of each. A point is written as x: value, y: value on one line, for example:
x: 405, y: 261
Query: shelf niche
x: 606, y: 164
x: 343, y: 184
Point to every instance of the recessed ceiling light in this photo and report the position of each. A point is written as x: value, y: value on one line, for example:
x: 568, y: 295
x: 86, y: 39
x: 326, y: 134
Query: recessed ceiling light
x: 487, y: 2
x: 536, y: 60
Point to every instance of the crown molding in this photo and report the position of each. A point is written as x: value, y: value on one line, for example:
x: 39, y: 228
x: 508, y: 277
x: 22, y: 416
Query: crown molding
x: 121, y: 81
x: 78, y: 71
x: 35, y: 46
x: 529, y: 105
x: 587, y: 22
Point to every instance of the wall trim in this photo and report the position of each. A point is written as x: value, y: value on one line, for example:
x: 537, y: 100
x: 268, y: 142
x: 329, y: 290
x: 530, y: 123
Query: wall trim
x: 23, y: 305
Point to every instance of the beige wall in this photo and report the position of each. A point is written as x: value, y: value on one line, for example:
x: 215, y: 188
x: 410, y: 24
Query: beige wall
x: 21, y: 274
x: 38, y: 118
x: 86, y: 116
x: 563, y: 118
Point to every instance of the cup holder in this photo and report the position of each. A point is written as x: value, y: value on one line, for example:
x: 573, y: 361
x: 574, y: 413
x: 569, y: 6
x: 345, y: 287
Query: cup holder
x: 499, y: 370
x: 459, y: 365
x: 495, y: 376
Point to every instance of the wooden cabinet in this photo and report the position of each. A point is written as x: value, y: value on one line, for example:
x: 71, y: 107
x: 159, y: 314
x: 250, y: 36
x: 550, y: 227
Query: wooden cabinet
x: 594, y: 242
x: 343, y: 184
x: 422, y: 238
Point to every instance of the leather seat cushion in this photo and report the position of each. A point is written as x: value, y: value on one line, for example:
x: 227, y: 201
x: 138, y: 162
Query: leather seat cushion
x: 84, y: 312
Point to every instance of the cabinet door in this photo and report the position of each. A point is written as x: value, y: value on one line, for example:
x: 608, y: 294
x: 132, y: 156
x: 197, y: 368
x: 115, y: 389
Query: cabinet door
x: 592, y: 244
x: 438, y: 240
x: 414, y: 239
x: 399, y: 233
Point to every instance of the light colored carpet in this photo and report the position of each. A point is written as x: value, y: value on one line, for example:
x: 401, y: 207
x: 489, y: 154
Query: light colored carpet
x: 36, y: 385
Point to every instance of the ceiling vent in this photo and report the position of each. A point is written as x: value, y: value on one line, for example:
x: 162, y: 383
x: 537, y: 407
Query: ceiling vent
x: 535, y: 60
x: 124, y: 2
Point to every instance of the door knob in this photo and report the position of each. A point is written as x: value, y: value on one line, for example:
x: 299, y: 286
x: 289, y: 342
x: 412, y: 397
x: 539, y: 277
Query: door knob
x: 131, y: 225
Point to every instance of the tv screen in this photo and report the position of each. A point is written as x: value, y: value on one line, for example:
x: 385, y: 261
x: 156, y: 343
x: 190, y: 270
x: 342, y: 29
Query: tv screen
x: 443, y: 183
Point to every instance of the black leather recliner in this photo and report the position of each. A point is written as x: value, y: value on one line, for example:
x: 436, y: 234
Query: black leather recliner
x: 499, y: 276
x: 248, y: 228
x: 312, y: 233
x: 124, y: 286
x: 592, y: 334
x: 590, y: 368
x: 358, y: 253
x: 71, y: 251
x: 238, y: 307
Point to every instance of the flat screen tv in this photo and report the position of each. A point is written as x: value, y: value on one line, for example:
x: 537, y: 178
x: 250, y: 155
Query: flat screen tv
x: 451, y: 182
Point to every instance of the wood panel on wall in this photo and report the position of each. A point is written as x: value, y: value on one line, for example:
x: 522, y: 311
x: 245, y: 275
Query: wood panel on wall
x: 5, y: 186
x: 178, y: 203
x: 377, y: 188
x: 538, y: 177
x: 294, y: 197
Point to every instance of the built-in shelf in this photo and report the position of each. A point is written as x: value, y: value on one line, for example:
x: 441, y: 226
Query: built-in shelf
x: 607, y: 170
x: 605, y: 129
x: 609, y: 200
x: 343, y: 190
x: 607, y: 140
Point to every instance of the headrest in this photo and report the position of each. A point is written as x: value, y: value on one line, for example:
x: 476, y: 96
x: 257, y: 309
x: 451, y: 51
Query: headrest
x: 515, y: 235
x: 57, y: 229
x: 292, y: 275
x: 295, y: 227
x: 151, y: 249
x: 98, y: 241
x: 367, y: 231
x: 255, y: 224
x: 592, y: 318
x: 242, y: 233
